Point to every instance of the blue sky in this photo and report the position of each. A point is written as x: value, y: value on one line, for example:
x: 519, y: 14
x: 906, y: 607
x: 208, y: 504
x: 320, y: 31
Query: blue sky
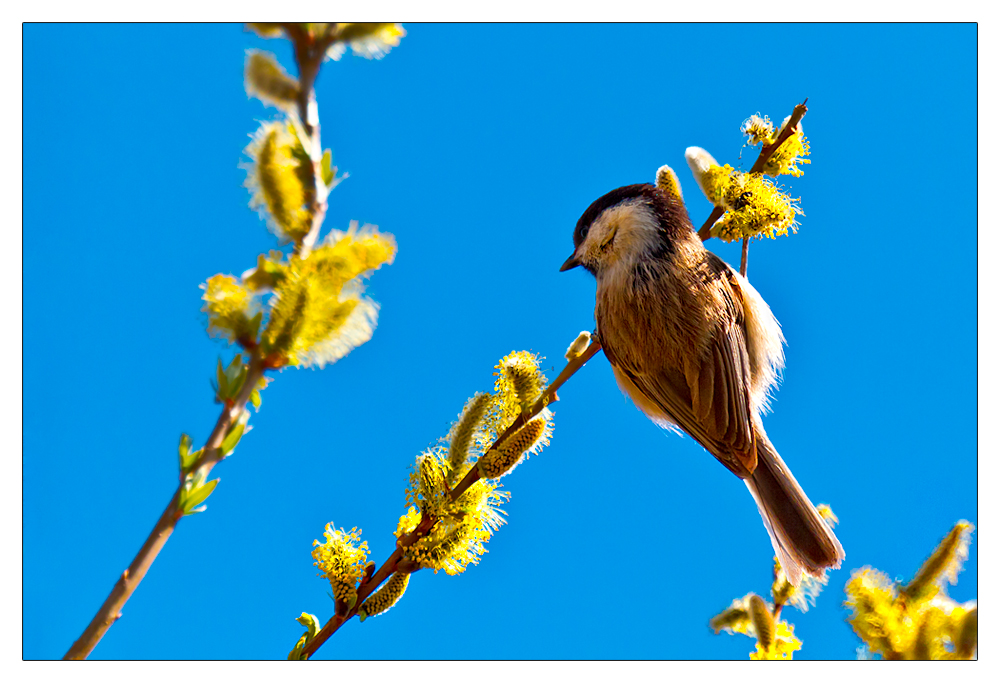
x: 478, y: 147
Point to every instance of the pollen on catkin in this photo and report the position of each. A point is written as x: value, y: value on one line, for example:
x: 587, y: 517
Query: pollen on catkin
x: 783, y: 645
x: 318, y: 314
x: 341, y: 559
x: 230, y: 307
x: 459, y: 537
x: 785, y: 159
x: 506, y: 405
x: 521, y: 370
x: 408, y: 522
x: 504, y: 457
x: 754, y: 206
x: 667, y: 182
x: 758, y: 129
x: 792, y: 152
x: 382, y: 600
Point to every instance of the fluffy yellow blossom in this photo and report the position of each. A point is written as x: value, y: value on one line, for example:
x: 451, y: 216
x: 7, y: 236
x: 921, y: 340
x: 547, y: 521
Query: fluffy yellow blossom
x: 318, y: 314
x: 267, y: 81
x: 784, y: 644
x: 368, y: 40
x: 758, y: 129
x: 266, y: 29
x: 786, y: 158
x: 462, y: 433
x: 232, y: 310
x: 279, y: 177
x: 517, y: 371
x: 917, y: 621
x: 382, y: 600
x: 408, y: 522
x: 578, y: 346
x: 733, y: 619
x: 826, y: 512
x: 667, y: 181
x: 754, y: 206
x: 801, y: 596
x: 943, y: 565
x: 463, y: 526
x: 752, y: 616
x: 504, y: 457
x: 342, y: 559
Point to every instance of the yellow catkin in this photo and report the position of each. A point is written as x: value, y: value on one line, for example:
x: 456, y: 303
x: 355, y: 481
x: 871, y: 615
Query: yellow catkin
x: 275, y: 181
x: 733, y: 619
x: 578, y: 346
x: 505, y: 457
x: 965, y: 644
x: 268, y: 82
x: 763, y: 622
x: 525, y: 379
x: 758, y: 129
x: 666, y: 181
x: 464, y: 430
x: 943, y: 564
x: 382, y: 600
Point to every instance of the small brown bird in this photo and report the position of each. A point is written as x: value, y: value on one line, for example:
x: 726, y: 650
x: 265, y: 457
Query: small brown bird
x: 693, y: 344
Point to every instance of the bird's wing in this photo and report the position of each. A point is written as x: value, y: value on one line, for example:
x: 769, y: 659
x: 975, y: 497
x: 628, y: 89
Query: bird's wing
x: 713, y: 404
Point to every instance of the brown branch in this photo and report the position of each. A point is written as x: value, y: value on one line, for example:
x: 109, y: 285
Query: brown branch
x: 427, y: 523
x: 110, y: 611
x: 705, y: 231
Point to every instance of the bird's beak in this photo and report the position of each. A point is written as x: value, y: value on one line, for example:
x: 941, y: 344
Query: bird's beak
x: 572, y: 262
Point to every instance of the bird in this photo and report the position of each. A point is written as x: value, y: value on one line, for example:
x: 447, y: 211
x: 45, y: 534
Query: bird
x: 696, y: 348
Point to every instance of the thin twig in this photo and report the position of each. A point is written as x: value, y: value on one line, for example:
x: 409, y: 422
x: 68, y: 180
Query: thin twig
x: 372, y: 582
x: 705, y: 231
x: 427, y: 523
x: 309, y: 53
x: 744, y: 256
x: 110, y: 611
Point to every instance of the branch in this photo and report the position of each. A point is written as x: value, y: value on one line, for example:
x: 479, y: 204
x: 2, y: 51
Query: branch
x: 110, y: 611
x: 309, y: 54
x: 705, y: 232
x: 427, y: 523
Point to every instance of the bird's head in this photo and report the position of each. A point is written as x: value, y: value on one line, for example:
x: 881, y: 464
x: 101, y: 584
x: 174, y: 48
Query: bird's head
x: 628, y: 225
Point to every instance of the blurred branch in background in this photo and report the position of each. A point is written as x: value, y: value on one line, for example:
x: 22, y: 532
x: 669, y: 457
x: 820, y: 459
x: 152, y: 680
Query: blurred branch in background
x: 305, y: 308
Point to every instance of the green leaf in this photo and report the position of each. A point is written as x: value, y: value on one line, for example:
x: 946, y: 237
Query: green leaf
x: 222, y: 391
x: 188, y: 462
x: 232, y: 438
x: 255, y: 398
x: 196, y: 496
x: 253, y: 327
x: 235, y: 374
x: 296, y: 654
x: 326, y: 168
x: 183, y: 449
x: 310, y: 622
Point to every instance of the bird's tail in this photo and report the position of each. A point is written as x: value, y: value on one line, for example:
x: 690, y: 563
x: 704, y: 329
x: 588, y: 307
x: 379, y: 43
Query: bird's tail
x: 802, y: 541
